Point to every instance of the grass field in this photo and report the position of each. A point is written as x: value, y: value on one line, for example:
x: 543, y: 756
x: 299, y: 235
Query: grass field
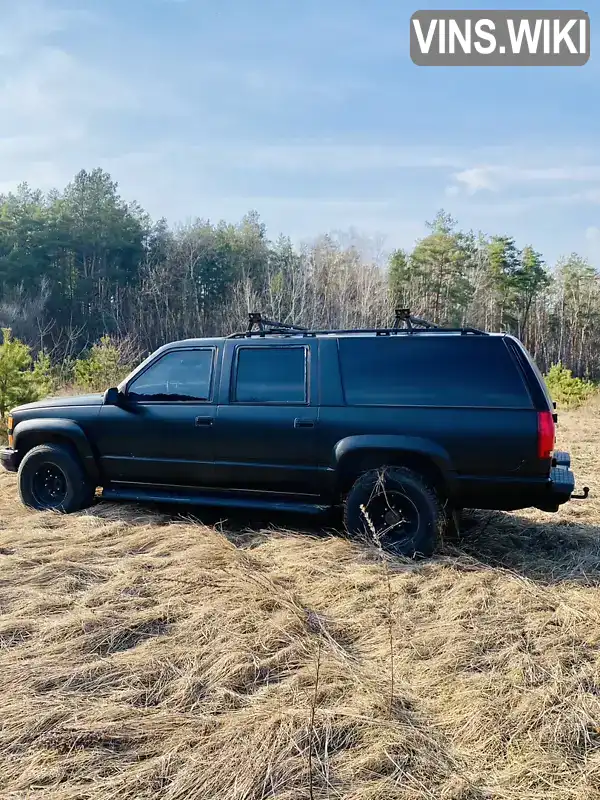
x: 142, y: 655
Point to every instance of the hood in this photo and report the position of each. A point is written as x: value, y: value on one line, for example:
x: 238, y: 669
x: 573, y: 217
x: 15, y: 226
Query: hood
x: 62, y: 402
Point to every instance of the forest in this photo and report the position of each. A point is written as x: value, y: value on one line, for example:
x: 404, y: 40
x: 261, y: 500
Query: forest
x: 80, y: 264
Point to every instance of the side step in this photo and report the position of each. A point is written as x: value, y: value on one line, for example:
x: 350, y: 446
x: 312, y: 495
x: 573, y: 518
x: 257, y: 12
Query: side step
x: 143, y: 495
x: 561, y: 459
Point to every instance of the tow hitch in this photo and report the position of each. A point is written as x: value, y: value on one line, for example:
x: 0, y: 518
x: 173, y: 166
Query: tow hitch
x: 562, y: 483
x: 584, y: 496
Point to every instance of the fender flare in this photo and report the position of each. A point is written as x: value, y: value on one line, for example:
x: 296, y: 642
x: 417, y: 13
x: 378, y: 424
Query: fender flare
x: 57, y: 429
x: 414, y: 445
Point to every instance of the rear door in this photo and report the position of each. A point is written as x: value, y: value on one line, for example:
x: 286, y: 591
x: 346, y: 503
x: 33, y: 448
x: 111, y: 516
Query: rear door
x: 267, y: 417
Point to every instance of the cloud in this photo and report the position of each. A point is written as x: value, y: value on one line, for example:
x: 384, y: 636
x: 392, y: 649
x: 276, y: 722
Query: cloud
x: 511, y: 206
x: 340, y: 157
x: 478, y: 178
x: 53, y: 87
x: 497, y: 177
x: 592, y: 239
x: 303, y: 156
x: 215, y: 127
x: 326, y: 161
x: 55, y: 106
x: 25, y: 23
x: 592, y: 234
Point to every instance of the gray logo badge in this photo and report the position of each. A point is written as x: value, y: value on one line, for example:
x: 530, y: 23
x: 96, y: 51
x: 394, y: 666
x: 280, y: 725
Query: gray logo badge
x: 500, y: 38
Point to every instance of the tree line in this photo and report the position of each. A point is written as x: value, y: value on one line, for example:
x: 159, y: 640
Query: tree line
x: 81, y: 263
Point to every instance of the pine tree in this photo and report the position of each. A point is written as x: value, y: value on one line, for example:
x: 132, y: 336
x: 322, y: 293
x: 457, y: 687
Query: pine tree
x: 440, y: 263
x: 17, y: 384
x: 398, y: 278
x: 529, y: 280
x: 504, y: 263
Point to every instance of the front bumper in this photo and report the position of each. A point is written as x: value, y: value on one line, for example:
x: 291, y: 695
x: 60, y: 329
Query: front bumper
x: 9, y: 459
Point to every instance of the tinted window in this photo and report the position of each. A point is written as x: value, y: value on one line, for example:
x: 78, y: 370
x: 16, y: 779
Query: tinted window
x: 431, y: 370
x: 180, y: 375
x: 271, y: 375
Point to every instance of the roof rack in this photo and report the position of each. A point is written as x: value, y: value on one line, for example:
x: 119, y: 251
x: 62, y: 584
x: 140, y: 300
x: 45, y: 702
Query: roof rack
x: 417, y: 325
x: 412, y: 325
x: 267, y: 326
x: 403, y: 315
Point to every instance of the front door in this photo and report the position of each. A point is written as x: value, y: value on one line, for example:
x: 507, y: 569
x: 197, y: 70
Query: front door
x: 267, y: 420
x: 163, y: 431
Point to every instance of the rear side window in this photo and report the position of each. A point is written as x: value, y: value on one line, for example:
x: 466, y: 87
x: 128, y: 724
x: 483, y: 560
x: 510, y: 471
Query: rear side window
x: 271, y: 375
x: 432, y: 370
x: 537, y: 384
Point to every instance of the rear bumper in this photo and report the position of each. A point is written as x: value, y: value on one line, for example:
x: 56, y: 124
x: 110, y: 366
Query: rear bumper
x: 9, y: 459
x: 513, y: 493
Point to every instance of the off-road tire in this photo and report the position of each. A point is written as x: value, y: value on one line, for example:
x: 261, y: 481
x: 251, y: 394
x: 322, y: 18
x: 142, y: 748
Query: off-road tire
x: 376, y: 488
x: 60, y: 460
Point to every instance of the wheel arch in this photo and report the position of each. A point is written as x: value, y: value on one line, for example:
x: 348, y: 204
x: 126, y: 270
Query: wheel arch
x: 31, y: 433
x: 356, y: 455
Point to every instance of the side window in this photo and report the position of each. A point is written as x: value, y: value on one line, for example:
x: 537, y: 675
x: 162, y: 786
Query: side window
x: 179, y: 375
x: 271, y: 375
x: 452, y: 371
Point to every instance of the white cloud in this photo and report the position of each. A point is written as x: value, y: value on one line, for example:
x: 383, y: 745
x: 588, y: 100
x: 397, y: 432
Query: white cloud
x: 53, y: 105
x: 54, y: 87
x: 592, y: 234
x: 314, y: 159
x: 65, y: 107
x: 476, y: 179
x: 26, y: 22
x: 496, y: 177
x: 329, y: 157
x: 592, y: 246
x: 518, y: 206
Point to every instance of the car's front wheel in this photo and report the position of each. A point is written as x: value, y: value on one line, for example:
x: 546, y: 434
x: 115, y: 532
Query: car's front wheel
x: 395, y: 508
x: 51, y: 477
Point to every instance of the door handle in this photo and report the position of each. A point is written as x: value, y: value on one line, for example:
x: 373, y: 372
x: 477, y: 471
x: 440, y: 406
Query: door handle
x: 304, y: 423
x: 203, y: 422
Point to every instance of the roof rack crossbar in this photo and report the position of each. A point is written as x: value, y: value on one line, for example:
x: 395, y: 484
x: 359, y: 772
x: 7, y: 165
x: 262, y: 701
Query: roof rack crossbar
x: 403, y: 316
x: 264, y: 326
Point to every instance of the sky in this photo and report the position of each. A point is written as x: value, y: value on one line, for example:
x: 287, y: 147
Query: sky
x: 311, y: 113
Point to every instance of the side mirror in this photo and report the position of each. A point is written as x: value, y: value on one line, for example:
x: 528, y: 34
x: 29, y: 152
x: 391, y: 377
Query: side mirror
x: 113, y: 397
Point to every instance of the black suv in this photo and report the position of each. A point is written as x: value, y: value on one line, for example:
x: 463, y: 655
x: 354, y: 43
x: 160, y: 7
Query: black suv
x: 402, y: 425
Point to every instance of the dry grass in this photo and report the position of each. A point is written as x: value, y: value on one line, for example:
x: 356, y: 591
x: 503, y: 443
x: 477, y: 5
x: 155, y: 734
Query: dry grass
x: 141, y: 656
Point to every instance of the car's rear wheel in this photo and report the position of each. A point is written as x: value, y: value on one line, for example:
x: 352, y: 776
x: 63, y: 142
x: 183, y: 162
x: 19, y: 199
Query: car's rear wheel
x: 51, y: 477
x: 395, y: 508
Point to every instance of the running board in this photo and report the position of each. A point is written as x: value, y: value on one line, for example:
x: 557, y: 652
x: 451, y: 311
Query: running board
x: 140, y: 495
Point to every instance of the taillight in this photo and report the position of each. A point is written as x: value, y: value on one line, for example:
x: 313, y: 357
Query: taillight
x: 545, y: 434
